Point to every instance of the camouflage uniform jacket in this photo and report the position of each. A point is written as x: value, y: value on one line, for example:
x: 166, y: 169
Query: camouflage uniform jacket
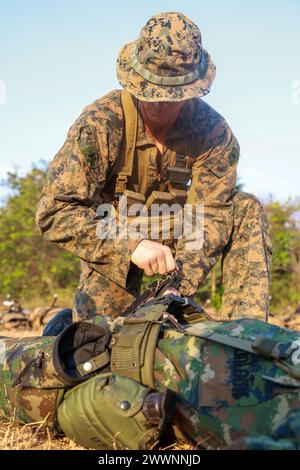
x: 80, y: 170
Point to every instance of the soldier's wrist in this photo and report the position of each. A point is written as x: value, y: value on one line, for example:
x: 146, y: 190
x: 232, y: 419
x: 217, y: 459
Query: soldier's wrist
x: 134, y: 241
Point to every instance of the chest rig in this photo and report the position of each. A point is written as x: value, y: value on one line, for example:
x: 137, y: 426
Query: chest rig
x: 175, y: 183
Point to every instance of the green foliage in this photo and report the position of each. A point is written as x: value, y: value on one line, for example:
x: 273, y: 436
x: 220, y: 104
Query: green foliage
x: 284, y: 222
x: 29, y: 265
x: 212, y: 289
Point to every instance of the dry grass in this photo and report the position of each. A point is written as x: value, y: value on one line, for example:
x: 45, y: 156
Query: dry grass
x: 15, y: 436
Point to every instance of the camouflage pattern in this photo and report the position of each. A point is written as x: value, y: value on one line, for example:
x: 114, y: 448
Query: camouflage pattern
x: 30, y: 389
x: 227, y: 396
x: 232, y: 392
x: 81, y: 177
x: 97, y: 294
x: 169, y: 47
x: 246, y: 261
x: 246, y: 256
x: 286, y: 436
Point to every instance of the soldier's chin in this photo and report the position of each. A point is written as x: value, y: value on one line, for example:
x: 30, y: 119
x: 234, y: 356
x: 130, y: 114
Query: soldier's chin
x: 158, y: 117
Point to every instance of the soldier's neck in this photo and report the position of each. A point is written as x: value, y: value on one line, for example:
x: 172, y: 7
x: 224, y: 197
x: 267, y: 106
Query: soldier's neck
x: 159, y: 132
x: 159, y: 137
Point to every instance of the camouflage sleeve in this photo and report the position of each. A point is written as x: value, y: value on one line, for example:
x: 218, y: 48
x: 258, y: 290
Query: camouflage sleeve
x: 66, y: 214
x: 213, y: 182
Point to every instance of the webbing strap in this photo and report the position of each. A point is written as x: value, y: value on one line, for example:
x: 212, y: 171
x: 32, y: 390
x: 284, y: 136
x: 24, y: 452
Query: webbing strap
x: 234, y: 342
x: 94, y: 363
x: 265, y: 347
x: 134, y: 348
x: 125, y: 163
x: 179, y: 175
x: 147, y: 368
x: 166, y: 80
x: 243, y: 344
x: 126, y: 353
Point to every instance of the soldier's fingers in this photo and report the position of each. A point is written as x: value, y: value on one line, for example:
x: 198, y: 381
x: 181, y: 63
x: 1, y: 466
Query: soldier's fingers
x: 162, y: 264
x: 147, y: 269
x: 154, y: 265
x: 170, y: 261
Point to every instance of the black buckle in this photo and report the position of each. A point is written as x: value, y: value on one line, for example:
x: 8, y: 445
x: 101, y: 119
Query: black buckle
x: 159, y: 408
x: 178, y: 175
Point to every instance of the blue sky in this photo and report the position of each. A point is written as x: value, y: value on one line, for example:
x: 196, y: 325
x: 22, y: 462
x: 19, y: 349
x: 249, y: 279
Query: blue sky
x: 56, y: 57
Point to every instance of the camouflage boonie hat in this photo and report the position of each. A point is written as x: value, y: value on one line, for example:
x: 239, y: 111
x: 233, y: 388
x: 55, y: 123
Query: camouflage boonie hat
x: 167, y: 61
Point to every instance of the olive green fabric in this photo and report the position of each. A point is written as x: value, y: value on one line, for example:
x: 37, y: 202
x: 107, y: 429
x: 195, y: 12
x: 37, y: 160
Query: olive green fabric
x: 106, y: 413
x: 133, y: 348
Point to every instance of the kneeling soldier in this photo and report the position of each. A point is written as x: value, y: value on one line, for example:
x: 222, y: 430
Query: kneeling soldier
x: 157, y: 142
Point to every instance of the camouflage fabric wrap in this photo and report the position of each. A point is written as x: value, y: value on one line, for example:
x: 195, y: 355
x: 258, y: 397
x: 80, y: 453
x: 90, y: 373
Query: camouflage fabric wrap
x: 232, y: 392
x: 236, y: 383
x: 167, y: 62
x: 286, y: 436
x: 34, y: 372
x: 30, y: 389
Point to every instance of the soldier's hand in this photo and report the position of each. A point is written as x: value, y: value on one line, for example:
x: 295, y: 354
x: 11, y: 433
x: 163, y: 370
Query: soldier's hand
x: 153, y: 258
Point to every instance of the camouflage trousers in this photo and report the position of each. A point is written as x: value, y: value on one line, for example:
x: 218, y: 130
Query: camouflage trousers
x: 246, y: 263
